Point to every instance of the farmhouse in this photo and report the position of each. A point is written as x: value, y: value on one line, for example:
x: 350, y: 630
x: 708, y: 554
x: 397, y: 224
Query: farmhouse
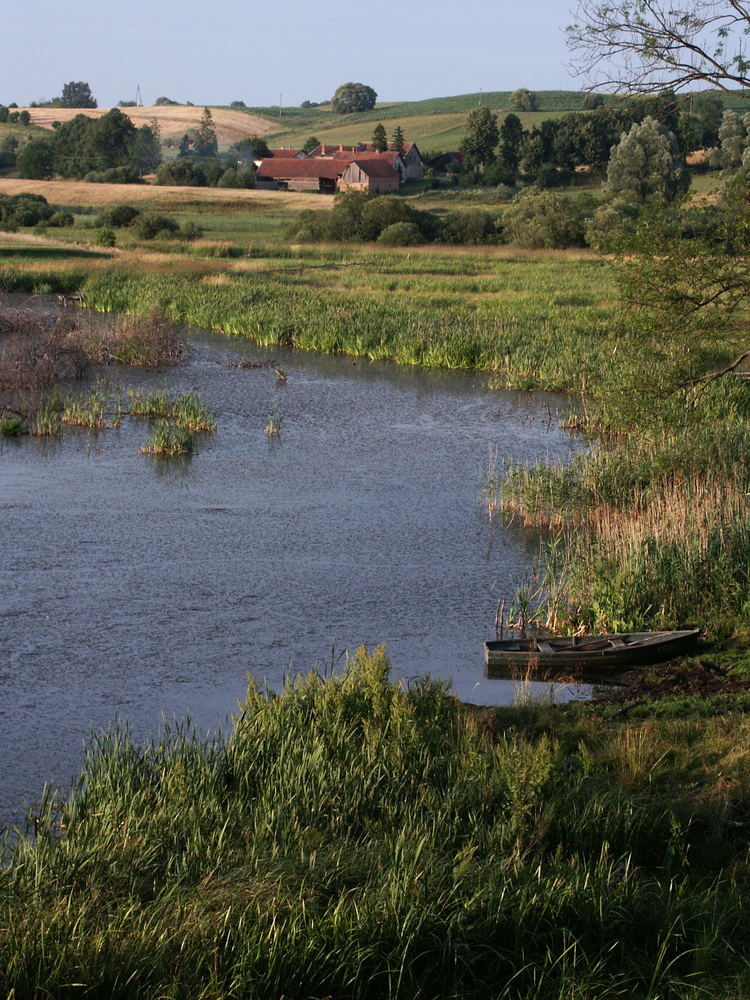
x: 342, y: 169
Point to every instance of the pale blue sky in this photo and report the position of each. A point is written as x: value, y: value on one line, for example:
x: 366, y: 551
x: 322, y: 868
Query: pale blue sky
x: 216, y: 52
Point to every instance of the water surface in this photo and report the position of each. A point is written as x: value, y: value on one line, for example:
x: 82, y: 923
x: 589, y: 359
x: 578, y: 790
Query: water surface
x: 138, y: 587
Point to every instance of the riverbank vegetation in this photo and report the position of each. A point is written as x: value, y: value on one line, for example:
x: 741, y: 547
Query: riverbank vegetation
x: 357, y: 837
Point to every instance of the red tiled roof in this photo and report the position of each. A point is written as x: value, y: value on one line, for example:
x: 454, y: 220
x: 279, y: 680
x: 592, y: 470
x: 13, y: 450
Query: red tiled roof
x: 312, y: 166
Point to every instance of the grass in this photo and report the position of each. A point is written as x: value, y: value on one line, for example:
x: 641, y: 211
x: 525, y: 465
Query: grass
x: 186, y: 410
x: 356, y: 837
x: 169, y: 441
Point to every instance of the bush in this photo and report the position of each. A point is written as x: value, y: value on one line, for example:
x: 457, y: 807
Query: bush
x: 114, y: 175
x: 23, y: 210
x: 609, y: 224
x: 151, y: 225
x: 181, y: 172
x: 400, y: 234
x: 119, y: 217
x: 472, y: 226
x: 543, y: 219
x: 60, y: 220
x: 105, y: 237
x: 189, y: 231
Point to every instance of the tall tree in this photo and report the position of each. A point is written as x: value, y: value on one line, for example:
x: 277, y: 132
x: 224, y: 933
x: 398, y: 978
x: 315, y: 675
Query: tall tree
x: 511, y: 136
x: 646, y: 163
x: 379, y: 138
x: 644, y: 45
x: 77, y: 94
x: 205, y: 138
x: 481, y: 137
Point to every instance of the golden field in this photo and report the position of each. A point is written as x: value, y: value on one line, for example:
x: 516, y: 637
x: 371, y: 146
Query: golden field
x: 174, y: 120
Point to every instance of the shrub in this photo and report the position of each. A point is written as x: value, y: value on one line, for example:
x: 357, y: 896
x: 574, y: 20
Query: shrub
x: 114, y: 175
x: 104, y: 237
x: 609, y: 224
x: 23, y: 210
x: 523, y: 100
x: 120, y: 216
x: 189, y: 231
x: 543, y: 219
x: 152, y: 225
x: 61, y: 220
x: 401, y: 234
x: 472, y: 226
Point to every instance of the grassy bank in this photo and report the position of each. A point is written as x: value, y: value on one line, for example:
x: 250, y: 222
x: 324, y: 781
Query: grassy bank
x: 358, y: 839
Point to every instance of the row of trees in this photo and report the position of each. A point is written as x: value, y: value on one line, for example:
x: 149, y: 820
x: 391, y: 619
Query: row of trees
x: 575, y: 139
x: 85, y: 146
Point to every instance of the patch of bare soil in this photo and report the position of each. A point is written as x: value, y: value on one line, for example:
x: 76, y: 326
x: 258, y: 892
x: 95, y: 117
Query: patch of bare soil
x: 677, y: 679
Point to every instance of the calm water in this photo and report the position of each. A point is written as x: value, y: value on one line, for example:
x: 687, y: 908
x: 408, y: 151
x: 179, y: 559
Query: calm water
x: 144, y: 588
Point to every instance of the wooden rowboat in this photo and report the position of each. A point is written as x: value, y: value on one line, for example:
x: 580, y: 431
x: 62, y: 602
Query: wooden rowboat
x: 588, y: 658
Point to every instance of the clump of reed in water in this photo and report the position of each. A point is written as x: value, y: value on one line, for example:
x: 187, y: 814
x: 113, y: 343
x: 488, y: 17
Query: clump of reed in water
x: 170, y: 441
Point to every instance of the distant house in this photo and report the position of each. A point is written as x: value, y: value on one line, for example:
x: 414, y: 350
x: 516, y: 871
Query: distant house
x: 370, y: 173
x: 410, y: 163
x: 341, y: 169
x: 309, y: 174
x: 288, y: 153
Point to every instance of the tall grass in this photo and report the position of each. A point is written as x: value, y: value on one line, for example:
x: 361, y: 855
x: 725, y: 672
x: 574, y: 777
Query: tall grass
x: 359, y: 838
x: 657, y: 532
x: 519, y: 327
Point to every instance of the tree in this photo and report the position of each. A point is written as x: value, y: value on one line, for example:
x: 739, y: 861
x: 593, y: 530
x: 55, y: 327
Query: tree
x: 77, y: 94
x: 353, y: 97
x: 511, y: 137
x: 205, y: 143
x: 641, y: 46
x: 146, y: 151
x: 379, y: 138
x: 398, y: 140
x: 481, y: 137
x: 35, y: 160
x: 110, y: 140
x: 647, y: 164
x: 310, y: 143
x: 523, y: 100
x: 727, y: 156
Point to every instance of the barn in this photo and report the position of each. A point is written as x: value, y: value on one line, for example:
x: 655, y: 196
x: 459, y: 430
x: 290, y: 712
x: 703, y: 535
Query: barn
x: 370, y: 173
x: 311, y: 174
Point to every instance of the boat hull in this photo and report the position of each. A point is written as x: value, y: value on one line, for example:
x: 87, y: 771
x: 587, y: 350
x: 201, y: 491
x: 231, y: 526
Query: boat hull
x: 588, y: 659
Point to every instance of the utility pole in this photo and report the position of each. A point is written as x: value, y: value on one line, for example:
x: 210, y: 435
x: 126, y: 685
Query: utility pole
x: 138, y: 97
x: 280, y: 104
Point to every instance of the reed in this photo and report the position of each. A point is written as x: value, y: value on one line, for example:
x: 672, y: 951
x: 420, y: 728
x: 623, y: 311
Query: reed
x: 356, y: 837
x: 169, y: 441
x: 186, y: 410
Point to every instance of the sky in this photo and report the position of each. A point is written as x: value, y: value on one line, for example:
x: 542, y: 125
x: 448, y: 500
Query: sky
x: 219, y: 51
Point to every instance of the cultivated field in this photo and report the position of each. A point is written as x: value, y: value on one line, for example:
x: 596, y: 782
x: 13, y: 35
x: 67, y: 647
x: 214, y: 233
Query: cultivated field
x: 174, y: 120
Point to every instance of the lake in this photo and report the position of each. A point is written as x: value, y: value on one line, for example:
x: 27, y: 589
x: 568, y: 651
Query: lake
x: 136, y: 588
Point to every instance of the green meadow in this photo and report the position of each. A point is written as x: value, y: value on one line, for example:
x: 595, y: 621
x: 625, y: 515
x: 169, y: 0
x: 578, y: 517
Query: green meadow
x: 354, y: 836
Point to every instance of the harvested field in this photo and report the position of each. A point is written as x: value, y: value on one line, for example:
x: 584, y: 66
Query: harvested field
x: 74, y: 193
x: 174, y: 120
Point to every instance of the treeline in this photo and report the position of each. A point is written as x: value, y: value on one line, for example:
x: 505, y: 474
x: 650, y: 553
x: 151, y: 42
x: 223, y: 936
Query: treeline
x: 109, y: 148
x: 549, y: 153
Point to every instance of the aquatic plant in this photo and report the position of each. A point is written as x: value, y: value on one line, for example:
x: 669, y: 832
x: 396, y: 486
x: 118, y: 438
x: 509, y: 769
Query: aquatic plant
x: 275, y: 419
x: 357, y: 837
x: 169, y: 441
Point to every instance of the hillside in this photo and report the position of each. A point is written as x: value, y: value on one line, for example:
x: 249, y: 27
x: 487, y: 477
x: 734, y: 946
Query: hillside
x: 174, y: 120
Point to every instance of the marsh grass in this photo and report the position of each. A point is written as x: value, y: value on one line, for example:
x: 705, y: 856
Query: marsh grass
x: 169, y: 441
x: 275, y: 420
x: 656, y: 530
x: 356, y: 837
x: 186, y: 410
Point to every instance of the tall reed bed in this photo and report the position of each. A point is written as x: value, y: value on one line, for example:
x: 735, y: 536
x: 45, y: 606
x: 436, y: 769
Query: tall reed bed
x: 656, y: 533
x: 358, y: 838
x: 525, y: 337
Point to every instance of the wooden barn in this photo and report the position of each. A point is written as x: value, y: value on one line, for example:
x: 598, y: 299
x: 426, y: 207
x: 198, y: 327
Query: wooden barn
x: 370, y: 173
x: 310, y: 174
